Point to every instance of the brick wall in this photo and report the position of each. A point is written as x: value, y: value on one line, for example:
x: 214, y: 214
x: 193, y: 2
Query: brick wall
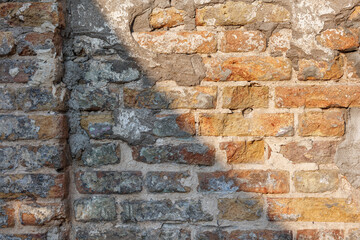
x: 196, y: 119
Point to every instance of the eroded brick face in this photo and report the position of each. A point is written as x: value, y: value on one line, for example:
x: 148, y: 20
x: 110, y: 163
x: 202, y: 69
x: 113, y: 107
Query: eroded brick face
x: 179, y: 120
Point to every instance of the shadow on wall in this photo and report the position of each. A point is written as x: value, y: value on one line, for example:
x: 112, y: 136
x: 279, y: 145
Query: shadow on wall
x: 148, y: 162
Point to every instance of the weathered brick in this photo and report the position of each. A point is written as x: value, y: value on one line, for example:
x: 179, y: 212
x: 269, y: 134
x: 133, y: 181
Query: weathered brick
x: 33, y: 127
x: 101, y: 154
x: 262, y: 234
x: 321, y: 70
x: 135, y: 233
x: 98, y: 126
x: 266, y: 124
x: 166, y: 18
x: 167, y: 182
x: 88, y: 98
x: 341, y: 39
x: 354, y: 233
x: 320, y: 152
x: 270, y: 181
x: 32, y: 185
x: 244, y: 151
x: 242, y: 41
x: 317, y: 96
x: 29, y: 14
x: 20, y: 71
x: 240, y: 209
x: 242, y: 97
x: 32, y: 43
x: 355, y: 15
x: 7, y: 99
x: 7, y: 216
x: 316, y: 181
x: 93, y: 209
x: 177, y: 42
x: 106, y: 182
x: 171, y: 125
x: 280, y: 41
x: 7, y: 43
x: 37, y: 214
x: 312, y: 210
x: 33, y: 157
x: 187, y: 153
x: 249, y: 68
x: 240, y: 13
x: 326, y: 123
x: 315, y: 234
x: 166, y: 97
x: 164, y: 210
x: 40, y: 236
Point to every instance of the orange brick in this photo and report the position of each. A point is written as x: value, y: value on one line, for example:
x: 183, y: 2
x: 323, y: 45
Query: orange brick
x: 244, y: 152
x: 317, y: 96
x: 267, y: 124
x: 316, y: 234
x: 324, y: 124
x: 177, y: 42
x: 280, y: 41
x: 248, y: 68
x: 321, y: 70
x: 316, y: 181
x: 243, y: 41
x: 341, y: 39
x: 166, y: 18
x: 267, y: 182
x: 312, y: 210
x: 38, y: 214
x: 245, y: 97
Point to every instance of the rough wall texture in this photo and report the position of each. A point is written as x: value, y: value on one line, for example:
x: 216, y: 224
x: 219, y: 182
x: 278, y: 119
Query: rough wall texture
x: 167, y: 119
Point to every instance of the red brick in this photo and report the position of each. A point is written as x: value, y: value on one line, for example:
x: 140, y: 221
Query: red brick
x: 316, y: 234
x: 265, y: 124
x: 242, y: 41
x: 341, y: 39
x: 249, y: 68
x: 317, y: 96
x: 324, y: 124
x: 244, y: 152
x: 267, y: 182
x: 177, y: 42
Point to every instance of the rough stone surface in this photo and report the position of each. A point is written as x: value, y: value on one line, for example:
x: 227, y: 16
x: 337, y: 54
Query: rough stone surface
x: 166, y: 18
x: 243, y: 41
x: 245, y: 234
x: 7, y: 43
x: 316, y: 181
x: 245, y: 97
x: 247, y: 209
x: 42, y: 214
x: 95, y: 209
x: 101, y: 154
x: 167, y: 182
x: 244, y: 152
x: 313, y: 234
x: 321, y: 70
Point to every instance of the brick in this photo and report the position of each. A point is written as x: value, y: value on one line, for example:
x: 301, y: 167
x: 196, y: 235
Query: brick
x: 163, y: 210
x: 33, y: 127
x: 240, y: 209
x: 7, y: 99
x: 40, y: 236
x: 241, y: 97
x: 280, y: 41
x: 240, y: 13
x: 7, y: 43
x: 355, y: 15
x: 93, y: 209
x: 136, y: 233
x: 201, y: 97
x: 20, y: 71
x: 248, y: 68
x: 177, y: 42
x: 266, y: 124
x: 321, y: 70
x: 100, y: 154
x: 324, y: 124
x: 171, y: 125
x: 108, y: 182
x: 312, y: 210
x: 316, y: 181
x: 29, y: 14
x: 32, y: 43
x: 98, y: 126
x: 88, y: 98
x: 319, y: 234
x: 187, y: 153
x: 166, y: 18
x: 7, y: 216
x: 262, y: 234
x: 167, y: 182
x: 244, y: 151
x: 317, y: 96
x: 32, y: 185
x: 38, y: 214
x: 320, y: 152
x: 242, y: 41
x: 267, y: 182
x: 33, y: 157
x: 341, y: 39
